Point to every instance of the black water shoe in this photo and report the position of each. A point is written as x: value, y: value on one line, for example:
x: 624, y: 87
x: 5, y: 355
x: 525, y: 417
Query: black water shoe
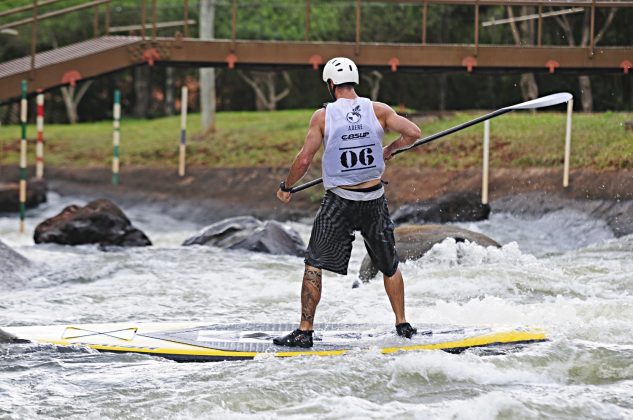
x: 406, y: 330
x: 297, y: 338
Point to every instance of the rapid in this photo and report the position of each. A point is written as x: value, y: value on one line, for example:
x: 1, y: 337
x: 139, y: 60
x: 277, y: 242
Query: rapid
x: 563, y: 272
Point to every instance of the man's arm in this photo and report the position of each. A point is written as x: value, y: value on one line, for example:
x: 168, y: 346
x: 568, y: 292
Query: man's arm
x: 409, y: 132
x: 302, y: 161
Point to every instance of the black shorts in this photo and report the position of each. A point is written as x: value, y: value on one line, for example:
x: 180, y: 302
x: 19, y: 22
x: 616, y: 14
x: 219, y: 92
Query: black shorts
x: 332, y: 235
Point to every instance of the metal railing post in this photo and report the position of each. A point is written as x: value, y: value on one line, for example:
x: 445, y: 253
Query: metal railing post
x: 306, y: 35
x: 357, y: 44
x: 33, y: 40
x: 95, y: 22
x: 186, y: 18
x: 107, y: 18
x: 570, y: 107
x: 593, y: 27
x: 153, y: 20
x: 143, y: 18
x: 477, y: 28
x: 233, y: 24
x: 425, y: 12
x: 540, y: 26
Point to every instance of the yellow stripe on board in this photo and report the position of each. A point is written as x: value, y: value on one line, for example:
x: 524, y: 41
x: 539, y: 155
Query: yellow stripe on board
x: 484, y: 340
x: 481, y: 341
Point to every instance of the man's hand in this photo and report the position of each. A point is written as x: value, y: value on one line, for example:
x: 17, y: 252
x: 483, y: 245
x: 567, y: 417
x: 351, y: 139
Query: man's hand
x: 284, y: 197
x: 387, y: 152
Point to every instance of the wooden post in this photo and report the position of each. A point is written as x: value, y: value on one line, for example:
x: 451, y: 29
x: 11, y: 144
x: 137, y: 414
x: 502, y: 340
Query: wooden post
x: 23, y: 116
x: 116, y: 137
x: 484, y: 177
x: 39, y: 149
x: 183, y: 131
x: 570, y: 108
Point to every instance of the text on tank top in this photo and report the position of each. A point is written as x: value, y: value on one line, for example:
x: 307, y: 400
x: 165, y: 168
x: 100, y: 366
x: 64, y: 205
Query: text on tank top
x: 353, y: 143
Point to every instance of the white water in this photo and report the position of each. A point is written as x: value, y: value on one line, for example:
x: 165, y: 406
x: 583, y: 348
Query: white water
x: 563, y: 272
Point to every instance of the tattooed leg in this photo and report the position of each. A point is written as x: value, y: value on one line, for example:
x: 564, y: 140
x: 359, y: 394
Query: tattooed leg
x: 310, y: 296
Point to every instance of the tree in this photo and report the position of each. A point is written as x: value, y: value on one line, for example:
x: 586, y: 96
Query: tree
x: 264, y: 85
x: 71, y: 100
x: 524, y: 36
x: 373, y: 79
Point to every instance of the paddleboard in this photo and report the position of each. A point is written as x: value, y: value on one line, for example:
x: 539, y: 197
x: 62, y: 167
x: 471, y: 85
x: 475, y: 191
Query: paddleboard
x: 199, y: 342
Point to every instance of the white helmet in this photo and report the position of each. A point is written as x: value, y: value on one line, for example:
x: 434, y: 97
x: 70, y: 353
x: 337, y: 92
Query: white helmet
x: 340, y: 70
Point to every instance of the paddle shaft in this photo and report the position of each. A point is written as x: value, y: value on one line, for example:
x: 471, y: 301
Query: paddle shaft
x: 421, y: 142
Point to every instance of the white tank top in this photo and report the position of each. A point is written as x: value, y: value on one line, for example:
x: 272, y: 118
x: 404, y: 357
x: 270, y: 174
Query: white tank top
x: 353, y: 143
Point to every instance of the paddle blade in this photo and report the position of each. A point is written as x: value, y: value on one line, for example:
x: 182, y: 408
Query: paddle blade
x: 545, y: 101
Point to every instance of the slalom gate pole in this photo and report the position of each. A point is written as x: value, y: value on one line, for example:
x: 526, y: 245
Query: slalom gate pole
x: 183, y: 131
x: 486, y: 163
x: 116, y: 137
x: 23, y: 144
x: 570, y: 108
x: 39, y: 148
x: 545, y: 101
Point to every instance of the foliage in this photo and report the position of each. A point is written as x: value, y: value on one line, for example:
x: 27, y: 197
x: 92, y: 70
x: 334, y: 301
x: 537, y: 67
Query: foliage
x: 272, y: 139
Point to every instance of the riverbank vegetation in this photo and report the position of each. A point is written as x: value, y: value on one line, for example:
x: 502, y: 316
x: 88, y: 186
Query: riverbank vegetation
x: 272, y: 139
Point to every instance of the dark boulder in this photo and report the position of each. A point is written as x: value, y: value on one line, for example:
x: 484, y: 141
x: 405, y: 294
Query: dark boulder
x: 250, y: 234
x: 616, y: 213
x: 413, y: 241
x: 451, y: 207
x: 10, y: 195
x: 99, y: 222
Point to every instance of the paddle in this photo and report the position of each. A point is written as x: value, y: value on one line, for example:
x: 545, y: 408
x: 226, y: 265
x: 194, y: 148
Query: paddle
x: 545, y: 101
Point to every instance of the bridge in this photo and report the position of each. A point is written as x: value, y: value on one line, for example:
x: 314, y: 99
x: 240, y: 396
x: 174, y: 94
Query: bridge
x: 105, y: 53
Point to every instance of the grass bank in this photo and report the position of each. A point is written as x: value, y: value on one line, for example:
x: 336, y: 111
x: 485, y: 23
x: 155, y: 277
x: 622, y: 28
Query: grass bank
x: 271, y: 139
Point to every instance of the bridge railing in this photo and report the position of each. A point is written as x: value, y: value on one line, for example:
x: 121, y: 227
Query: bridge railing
x: 148, y: 21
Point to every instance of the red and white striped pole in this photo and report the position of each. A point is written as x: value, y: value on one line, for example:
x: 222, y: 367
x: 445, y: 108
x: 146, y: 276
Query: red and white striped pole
x: 183, y: 131
x: 39, y: 148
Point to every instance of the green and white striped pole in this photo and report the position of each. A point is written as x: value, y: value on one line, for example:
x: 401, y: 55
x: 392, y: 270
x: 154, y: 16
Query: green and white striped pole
x: 23, y: 115
x: 116, y: 137
x: 183, y: 131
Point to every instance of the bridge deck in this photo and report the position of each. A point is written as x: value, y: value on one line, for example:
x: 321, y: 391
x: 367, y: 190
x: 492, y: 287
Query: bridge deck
x: 111, y: 53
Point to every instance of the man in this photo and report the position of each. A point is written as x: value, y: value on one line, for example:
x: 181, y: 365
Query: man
x: 351, y: 130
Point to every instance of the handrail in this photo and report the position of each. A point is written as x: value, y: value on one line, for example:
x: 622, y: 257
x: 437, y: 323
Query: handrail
x: 52, y: 14
x: 26, y: 8
x: 552, y: 3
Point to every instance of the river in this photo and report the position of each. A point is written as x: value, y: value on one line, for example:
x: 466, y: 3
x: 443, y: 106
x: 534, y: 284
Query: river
x: 563, y: 272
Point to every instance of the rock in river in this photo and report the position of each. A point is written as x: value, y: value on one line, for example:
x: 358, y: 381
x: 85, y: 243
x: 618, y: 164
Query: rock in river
x: 10, y: 195
x: 413, y: 241
x: 251, y: 234
x: 451, y: 207
x: 99, y: 222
